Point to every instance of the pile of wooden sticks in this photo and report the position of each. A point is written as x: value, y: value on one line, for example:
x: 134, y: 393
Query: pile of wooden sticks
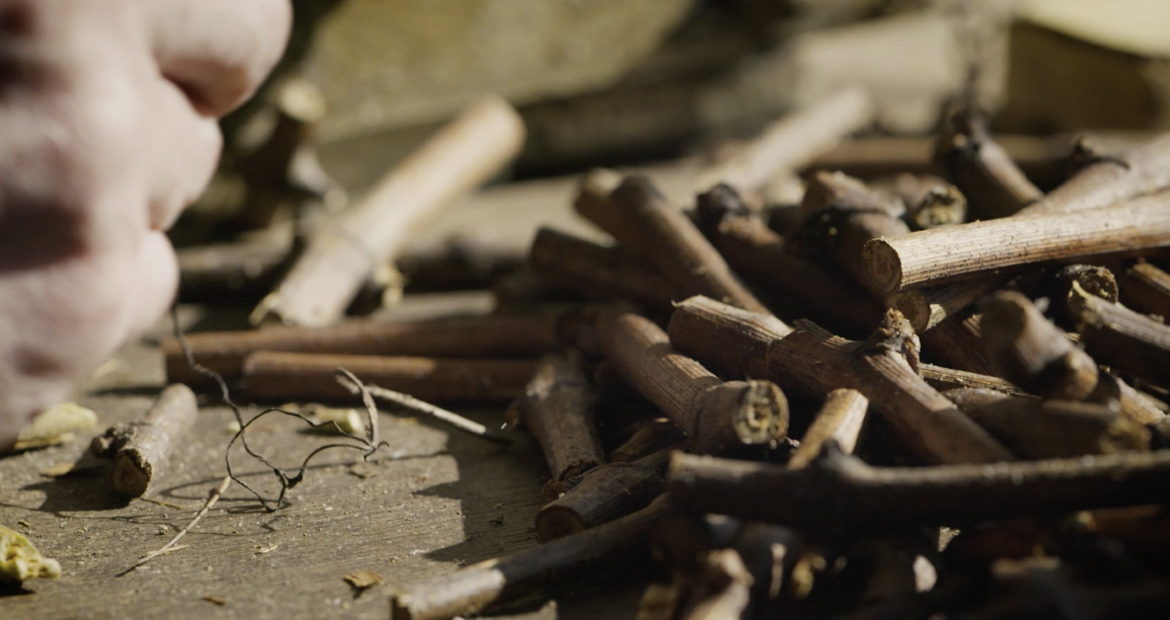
x: 911, y: 395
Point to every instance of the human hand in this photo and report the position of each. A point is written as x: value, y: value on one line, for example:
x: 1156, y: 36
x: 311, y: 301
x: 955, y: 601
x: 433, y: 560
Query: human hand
x: 108, y: 130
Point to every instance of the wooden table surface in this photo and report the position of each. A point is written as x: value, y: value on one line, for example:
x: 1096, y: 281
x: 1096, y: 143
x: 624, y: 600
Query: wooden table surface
x: 431, y: 502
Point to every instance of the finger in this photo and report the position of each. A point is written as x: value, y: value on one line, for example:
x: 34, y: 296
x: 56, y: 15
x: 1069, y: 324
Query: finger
x: 218, y: 51
x: 182, y: 153
x: 157, y: 281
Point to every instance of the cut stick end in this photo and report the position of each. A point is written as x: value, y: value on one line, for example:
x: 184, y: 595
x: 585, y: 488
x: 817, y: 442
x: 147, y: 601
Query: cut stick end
x: 740, y: 413
x: 553, y: 522
x: 883, y: 267
x: 131, y: 475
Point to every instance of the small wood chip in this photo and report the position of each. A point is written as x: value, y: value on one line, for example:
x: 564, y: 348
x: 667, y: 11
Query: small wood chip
x: 215, y: 599
x: 363, y: 579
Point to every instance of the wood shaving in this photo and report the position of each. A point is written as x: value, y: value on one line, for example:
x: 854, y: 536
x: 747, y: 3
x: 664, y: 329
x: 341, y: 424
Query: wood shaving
x: 363, y: 579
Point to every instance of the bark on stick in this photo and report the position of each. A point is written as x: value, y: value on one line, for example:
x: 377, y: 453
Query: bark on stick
x: 557, y: 407
x: 840, y: 491
x: 944, y: 254
x: 604, y: 494
x: 599, y: 271
x: 719, y: 416
x: 276, y: 376
x: 840, y: 419
x: 472, y: 589
x: 641, y: 220
x: 1130, y: 343
x: 760, y: 256
x: 982, y: 169
x: 471, y: 337
x: 738, y: 343
x: 467, y: 152
x: 140, y: 450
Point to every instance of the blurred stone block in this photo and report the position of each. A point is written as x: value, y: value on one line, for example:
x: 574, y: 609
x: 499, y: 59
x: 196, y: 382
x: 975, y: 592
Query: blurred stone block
x: 1078, y: 64
x: 411, y: 62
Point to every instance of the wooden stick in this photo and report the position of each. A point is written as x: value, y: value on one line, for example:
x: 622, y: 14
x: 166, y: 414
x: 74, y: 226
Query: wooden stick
x: 641, y: 220
x: 278, y: 376
x: 840, y: 419
x: 557, y: 407
x: 467, y: 152
x: 652, y: 436
x: 141, y: 450
x: 598, y: 271
x: 1034, y: 354
x: 826, y: 189
x: 1139, y: 171
x: 464, y: 337
x: 954, y: 252
x: 841, y: 491
x: 474, y: 588
x: 1129, y: 342
x: 1058, y: 286
x: 957, y: 342
x: 719, y: 416
x: 1038, y: 429
x: 931, y: 306
x: 842, y: 214
x: 1031, y: 352
x: 1144, y: 169
x: 759, y: 254
x: 982, y: 169
x: 793, y: 141
x: 604, y: 494
x: 945, y: 379
x: 738, y: 343
x: 724, y: 588
x: 1146, y: 288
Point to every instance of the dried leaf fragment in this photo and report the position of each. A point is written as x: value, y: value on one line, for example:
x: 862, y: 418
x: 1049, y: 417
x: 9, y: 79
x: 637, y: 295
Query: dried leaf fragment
x: 55, y: 425
x: 20, y: 560
x: 363, y: 579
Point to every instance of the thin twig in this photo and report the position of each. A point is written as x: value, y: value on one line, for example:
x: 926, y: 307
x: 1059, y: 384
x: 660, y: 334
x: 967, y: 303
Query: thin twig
x: 368, y: 445
x: 216, y: 493
x: 409, y: 402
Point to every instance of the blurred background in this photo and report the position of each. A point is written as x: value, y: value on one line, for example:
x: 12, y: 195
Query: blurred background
x: 628, y: 82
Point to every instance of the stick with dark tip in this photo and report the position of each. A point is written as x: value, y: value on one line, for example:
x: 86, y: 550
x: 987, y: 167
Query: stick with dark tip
x: 982, y: 169
x: 1129, y: 342
x: 604, y: 494
x: 759, y: 254
x: 598, y: 271
x: 842, y: 214
x: 641, y: 220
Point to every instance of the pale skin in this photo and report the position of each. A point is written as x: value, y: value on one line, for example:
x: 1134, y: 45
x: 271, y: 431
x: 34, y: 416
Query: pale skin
x: 108, y: 130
